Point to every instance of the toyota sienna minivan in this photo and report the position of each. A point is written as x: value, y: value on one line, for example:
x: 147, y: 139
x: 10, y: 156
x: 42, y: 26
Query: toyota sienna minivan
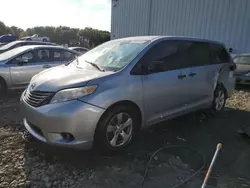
x: 106, y: 95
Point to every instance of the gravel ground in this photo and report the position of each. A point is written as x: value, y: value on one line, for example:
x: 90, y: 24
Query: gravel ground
x: 26, y: 162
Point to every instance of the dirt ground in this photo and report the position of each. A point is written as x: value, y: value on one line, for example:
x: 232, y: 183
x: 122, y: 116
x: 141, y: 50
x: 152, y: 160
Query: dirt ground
x: 26, y: 162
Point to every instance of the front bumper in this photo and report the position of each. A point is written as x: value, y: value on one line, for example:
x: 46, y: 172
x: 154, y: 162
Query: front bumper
x: 48, y: 122
x: 242, y: 79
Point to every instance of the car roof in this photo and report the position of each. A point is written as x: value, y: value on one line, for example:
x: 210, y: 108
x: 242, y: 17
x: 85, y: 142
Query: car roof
x: 184, y: 38
x: 10, y: 53
x: 78, y: 47
x: 40, y: 46
x: 9, y: 45
x: 27, y: 47
x: 25, y: 41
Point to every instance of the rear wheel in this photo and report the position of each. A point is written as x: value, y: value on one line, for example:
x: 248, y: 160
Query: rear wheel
x: 44, y: 40
x: 116, y: 129
x: 220, y: 97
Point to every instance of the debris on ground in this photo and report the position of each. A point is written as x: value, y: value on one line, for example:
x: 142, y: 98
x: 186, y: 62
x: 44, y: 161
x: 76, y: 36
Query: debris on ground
x: 34, y: 164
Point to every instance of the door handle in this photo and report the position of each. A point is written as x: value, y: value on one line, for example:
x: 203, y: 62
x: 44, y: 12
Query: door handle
x: 181, y: 76
x: 192, y: 74
x: 46, y: 66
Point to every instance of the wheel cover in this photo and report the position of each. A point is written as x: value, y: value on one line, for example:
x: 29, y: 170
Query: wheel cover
x: 119, y: 130
x: 219, y: 100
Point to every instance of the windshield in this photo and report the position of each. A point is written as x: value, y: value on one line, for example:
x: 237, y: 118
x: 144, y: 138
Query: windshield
x: 242, y: 60
x: 8, y: 54
x: 113, y: 55
x: 7, y: 46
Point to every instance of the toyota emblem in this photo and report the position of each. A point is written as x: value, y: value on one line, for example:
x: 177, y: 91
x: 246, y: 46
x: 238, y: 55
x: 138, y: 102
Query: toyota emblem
x: 32, y: 86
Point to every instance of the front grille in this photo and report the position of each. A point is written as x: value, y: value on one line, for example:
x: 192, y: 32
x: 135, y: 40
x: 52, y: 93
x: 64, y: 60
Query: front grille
x: 37, y: 98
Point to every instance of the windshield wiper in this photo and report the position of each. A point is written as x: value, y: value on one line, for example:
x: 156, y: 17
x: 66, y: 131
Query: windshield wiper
x: 95, y: 65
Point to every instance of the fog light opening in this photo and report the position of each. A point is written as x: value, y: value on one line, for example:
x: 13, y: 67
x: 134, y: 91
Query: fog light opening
x: 67, y: 137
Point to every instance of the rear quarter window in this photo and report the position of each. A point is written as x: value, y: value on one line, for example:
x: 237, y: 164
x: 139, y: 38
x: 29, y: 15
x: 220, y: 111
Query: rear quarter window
x: 219, y: 54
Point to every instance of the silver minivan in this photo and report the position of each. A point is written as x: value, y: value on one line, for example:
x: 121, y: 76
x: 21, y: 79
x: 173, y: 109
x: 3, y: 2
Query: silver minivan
x: 106, y: 95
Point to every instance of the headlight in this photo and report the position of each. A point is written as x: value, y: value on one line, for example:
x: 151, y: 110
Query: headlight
x: 73, y: 93
x: 247, y: 74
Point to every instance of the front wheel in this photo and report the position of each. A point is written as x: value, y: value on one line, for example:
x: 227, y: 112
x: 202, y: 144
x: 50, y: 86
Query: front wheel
x: 45, y: 40
x: 220, y: 97
x: 116, y: 129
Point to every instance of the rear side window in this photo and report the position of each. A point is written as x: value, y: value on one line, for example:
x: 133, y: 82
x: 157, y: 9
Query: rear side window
x: 62, y: 55
x: 219, y: 54
x: 198, y: 54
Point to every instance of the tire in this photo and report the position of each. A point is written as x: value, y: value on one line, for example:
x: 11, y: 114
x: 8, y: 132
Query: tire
x: 45, y: 40
x: 28, y: 39
x: 219, y: 101
x: 110, y: 135
x: 3, y: 87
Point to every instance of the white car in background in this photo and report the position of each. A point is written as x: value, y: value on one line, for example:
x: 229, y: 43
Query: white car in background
x: 36, y: 37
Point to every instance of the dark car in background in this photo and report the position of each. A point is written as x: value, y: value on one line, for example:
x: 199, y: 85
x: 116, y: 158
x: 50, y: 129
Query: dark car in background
x: 242, y: 72
x: 16, y: 44
x: 7, y: 38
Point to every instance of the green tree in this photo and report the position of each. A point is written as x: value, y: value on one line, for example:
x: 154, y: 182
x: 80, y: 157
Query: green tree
x: 87, y: 37
x: 2, y: 28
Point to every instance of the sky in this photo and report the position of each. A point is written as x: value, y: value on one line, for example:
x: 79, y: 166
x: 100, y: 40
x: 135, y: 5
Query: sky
x: 72, y: 13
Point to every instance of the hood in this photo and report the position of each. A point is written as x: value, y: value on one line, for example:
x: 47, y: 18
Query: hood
x: 61, y: 77
x: 241, y: 68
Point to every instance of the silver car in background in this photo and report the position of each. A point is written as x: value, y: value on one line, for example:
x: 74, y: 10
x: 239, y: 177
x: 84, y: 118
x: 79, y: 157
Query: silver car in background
x: 19, y: 43
x: 242, y: 72
x: 36, y: 37
x: 19, y: 65
x: 81, y: 50
x: 109, y: 93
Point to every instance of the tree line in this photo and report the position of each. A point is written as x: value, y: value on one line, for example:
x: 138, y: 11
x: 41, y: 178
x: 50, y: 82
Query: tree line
x: 87, y: 37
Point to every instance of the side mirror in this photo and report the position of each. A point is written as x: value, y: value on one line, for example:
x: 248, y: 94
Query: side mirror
x: 21, y: 62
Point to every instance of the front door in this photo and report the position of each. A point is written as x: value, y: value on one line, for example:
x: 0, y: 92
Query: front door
x: 166, y: 85
x: 25, y: 66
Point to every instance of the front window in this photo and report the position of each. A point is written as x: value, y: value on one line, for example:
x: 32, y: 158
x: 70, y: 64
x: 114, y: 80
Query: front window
x: 242, y: 60
x: 113, y: 55
x: 8, y: 54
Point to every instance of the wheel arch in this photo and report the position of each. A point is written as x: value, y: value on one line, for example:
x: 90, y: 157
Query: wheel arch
x: 130, y: 104
x: 220, y: 84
